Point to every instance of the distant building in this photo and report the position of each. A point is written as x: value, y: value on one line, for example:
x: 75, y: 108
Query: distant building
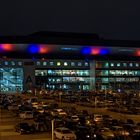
x: 67, y: 63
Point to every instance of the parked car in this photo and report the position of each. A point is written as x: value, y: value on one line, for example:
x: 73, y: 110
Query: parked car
x: 26, y: 115
x: 84, y: 133
x: 105, y: 133
x: 57, y: 112
x: 132, y: 129
x: 98, y: 118
x: 64, y: 134
x: 75, y: 118
x: 13, y: 107
x: 23, y: 128
x: 119, y: 131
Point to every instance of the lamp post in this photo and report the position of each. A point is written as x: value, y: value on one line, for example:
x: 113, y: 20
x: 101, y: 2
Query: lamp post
x: 52, y: 129
x: 60, y: 98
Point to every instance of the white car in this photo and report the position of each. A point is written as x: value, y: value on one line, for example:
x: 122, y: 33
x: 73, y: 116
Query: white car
x: 98, y: 118
x: 75, y: 118
x: 26, y: 115
x: 35, y: 104
x: 106, y: 133
x: 57, y: 112
x: 64, y: 134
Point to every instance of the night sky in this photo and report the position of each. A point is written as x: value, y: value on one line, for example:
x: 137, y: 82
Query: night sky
x: 110, y: 19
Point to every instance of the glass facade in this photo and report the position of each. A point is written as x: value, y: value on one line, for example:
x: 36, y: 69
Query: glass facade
x: 114, y: 74
x: 69, y: 74
x: 11, y: 79
x: 63, y: 79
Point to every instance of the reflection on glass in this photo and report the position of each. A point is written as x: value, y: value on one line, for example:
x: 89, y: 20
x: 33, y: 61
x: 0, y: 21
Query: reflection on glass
x: 11, y: 79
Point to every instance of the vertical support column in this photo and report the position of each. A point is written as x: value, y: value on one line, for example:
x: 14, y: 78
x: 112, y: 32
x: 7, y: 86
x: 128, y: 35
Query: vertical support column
x: 29, y: 77
x: 92, y: 74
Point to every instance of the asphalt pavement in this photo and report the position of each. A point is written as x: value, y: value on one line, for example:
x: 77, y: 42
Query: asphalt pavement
x: 7, y: 132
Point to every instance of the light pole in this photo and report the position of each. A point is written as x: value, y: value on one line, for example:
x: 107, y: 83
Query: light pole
x: 95, y: 102
x: 60, y: 98
x: 53, y: 129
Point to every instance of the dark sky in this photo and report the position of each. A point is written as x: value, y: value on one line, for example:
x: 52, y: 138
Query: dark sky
x: 111, y: 19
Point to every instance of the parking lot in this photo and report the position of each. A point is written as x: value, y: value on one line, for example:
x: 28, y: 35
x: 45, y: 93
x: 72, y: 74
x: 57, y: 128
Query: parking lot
x: 39, y: 112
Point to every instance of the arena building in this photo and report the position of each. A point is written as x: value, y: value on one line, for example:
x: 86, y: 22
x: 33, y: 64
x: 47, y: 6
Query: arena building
x: 67, y: 61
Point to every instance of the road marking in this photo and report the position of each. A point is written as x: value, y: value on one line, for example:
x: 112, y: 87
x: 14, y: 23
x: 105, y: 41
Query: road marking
x: 8, y: 134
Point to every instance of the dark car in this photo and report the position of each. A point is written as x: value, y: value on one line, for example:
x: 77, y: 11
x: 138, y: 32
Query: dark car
x: 23, y: 128
x: 84, y: 133
x: 132, y: 129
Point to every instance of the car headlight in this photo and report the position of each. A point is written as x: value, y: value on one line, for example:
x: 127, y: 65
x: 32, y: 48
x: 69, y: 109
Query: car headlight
x: 87, y: 136
x: 94, y: 135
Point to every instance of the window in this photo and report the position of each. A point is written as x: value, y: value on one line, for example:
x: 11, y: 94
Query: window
x: 112, y: 72
x: 51, y: 63
x: 131, y: 64
x: 13, y: 63
x: 104, y: 72
x: 104, y: 80
x: 58, y: 63
x: 38, y: 63
x: 6, y: 63
x: 86, y: 64
x: 11, y: 79
x: 44, y: 63
x: 65, y: 63
x: 50, y: 72
x: 79, y: 64
x: 105, y: 65
x: 72, y: 63
x: 19, y: 63
x: 118, y: 64
x: 124, y: 64
x: 137, y: 64
x: 112, y: 64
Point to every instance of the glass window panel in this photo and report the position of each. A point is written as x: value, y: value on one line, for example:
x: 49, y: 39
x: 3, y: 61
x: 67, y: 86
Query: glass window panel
x: 118, y: 64
x: 66, y: 79
x: 137, y: 64
x: 65, y: 64
x: 131, y: 64
x: 86, y: 87
x: 58, y: 63
x: 19, y: 63
x: 11, y: 79
x: 112, y: 72
x: 105, y: 80
x: 6, y: 63
x: 50, y: 72
x: 72, y: 63
x: 79, y: 63
x: 86, y: 64
x: 105, y: 64
x: 44, y: 63
x: 40, y: 72
x: 51, y: 63
x: 13, y: 63
x: 38, y: 63
x: 124, y: 64
x: 112, y: 64
x: 104, y: 72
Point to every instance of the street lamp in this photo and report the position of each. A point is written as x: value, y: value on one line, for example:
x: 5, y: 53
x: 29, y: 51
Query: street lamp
x: 52, y: 129
x: 60, y: 98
